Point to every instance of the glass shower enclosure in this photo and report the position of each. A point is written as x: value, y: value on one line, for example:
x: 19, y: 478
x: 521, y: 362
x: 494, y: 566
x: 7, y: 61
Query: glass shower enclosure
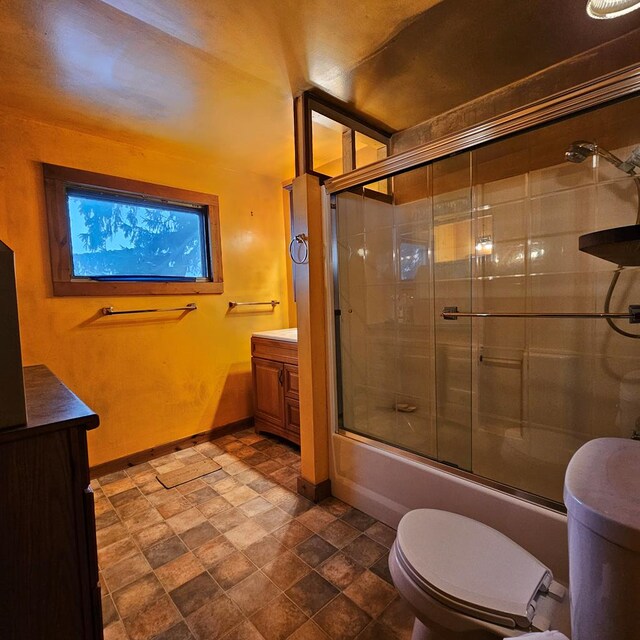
x: 493, y: 230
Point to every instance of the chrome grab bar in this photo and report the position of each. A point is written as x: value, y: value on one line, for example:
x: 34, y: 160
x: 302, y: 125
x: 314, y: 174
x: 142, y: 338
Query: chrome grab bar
x: 452, y: 313
x: 110, y: 311
x: 273, y: 304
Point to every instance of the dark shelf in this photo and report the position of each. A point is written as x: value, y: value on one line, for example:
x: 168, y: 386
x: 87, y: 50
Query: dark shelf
x: 620, y: 245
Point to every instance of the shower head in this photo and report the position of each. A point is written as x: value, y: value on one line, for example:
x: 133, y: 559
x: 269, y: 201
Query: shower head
x: 621, y: 245
x: 580, y: 150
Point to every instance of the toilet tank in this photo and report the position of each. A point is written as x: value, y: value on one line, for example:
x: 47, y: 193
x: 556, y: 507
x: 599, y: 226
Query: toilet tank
x: 602, y: 495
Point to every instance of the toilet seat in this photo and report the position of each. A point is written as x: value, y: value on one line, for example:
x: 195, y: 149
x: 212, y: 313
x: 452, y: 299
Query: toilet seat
x: 474, y: 569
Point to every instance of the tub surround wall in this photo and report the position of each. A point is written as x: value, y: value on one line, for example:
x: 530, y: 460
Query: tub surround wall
x: 153, y: 379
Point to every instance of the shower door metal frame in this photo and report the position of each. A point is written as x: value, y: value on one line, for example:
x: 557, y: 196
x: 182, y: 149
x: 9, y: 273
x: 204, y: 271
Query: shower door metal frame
x: 606, y: 89
x: 613, y: 86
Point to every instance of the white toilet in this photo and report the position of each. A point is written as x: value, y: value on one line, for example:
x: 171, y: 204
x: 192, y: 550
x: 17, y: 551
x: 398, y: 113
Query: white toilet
x: 466, y: 581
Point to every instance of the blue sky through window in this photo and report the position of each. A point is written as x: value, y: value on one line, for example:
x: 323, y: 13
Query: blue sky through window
x: 121, y: 238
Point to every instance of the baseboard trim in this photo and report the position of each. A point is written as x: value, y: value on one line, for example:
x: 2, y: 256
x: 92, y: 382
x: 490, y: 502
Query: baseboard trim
x: 168, y: 447
x: 314, y: 492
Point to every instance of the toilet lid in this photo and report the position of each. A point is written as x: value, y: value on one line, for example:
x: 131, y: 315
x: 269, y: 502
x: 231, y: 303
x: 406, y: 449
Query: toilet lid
x: 471, y: 567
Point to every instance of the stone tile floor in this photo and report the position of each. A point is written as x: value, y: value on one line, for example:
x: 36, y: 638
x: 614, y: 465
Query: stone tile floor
x: 238, y: 554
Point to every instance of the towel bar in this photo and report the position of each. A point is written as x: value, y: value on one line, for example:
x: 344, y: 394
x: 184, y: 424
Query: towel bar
x: 110, y: 311
x: 273, y: 304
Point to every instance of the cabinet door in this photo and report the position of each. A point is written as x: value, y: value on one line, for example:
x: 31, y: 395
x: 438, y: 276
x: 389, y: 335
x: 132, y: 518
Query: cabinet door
x: 292, y: 416
x: 291, y: 387
x: 268, y: 378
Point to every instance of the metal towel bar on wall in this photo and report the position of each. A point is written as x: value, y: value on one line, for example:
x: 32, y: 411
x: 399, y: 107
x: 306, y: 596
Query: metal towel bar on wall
x: 110, y: 311
x: 633, y: 315
x: 273, y: 304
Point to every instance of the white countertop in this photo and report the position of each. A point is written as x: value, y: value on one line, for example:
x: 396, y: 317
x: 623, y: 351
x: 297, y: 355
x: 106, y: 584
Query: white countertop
x: 288, y: 335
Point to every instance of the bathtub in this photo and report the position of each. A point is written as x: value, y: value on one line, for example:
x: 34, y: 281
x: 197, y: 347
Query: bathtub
x: 386, y: 484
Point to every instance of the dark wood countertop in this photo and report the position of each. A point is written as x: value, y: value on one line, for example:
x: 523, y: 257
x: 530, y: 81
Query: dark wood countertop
x: 50, y: 406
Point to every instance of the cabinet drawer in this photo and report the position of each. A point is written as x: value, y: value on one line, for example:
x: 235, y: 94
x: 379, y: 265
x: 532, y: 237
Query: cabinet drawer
x: 292, y: 416
x: 291, y: 384
x: 279, y: 350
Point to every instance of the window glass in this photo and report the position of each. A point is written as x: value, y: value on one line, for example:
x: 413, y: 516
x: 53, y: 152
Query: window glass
x: 110, y: 235
x: 367, y: 151
x: 116, y: 238
x: 328, y: 145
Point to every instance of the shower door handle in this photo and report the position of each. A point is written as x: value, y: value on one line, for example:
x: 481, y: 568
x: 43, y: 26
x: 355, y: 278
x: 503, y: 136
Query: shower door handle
x: 452, y: 313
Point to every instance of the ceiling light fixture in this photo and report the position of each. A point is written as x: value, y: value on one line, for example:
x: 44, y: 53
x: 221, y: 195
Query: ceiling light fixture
x: 603, y: 9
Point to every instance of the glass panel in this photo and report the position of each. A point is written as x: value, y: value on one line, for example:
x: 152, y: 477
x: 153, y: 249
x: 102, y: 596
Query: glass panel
x: 327, y: 145
x: 369, y: 150
x: 119, y: 238
x: 384, y: 279
x: 546, y: 386
x: 453, y: 249
x: 415, y: 391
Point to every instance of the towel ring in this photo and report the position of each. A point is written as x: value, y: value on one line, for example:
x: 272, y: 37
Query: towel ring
x: 300, y: 239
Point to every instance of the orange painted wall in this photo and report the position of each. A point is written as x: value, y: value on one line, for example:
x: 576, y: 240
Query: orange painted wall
x: 152, y: 378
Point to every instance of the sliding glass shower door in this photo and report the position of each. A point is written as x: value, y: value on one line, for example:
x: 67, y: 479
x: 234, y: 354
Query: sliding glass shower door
x: 386, y: 311
x: 494, y: 230
x: 404, y: 382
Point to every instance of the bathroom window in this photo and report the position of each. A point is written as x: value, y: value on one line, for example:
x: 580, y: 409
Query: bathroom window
x: 331, y: 141
x: 124, y: 237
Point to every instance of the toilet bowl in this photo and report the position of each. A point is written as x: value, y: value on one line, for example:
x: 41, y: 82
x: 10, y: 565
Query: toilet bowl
x: 467, y: 581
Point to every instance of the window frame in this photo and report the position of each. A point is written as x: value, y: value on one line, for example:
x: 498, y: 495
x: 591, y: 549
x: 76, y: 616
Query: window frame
x: 58, y: 179
x: 312, y: 100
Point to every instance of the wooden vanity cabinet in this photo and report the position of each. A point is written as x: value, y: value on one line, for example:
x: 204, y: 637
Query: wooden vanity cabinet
x: 48, y: 559
x: 274, y: 365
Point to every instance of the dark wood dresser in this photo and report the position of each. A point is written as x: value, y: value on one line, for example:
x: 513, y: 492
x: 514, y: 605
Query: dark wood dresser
x: 48, y: 561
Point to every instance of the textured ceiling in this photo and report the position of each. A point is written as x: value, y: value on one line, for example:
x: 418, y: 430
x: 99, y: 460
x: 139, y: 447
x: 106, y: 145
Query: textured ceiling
x: 216, y: 77
x: 463, y: 49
